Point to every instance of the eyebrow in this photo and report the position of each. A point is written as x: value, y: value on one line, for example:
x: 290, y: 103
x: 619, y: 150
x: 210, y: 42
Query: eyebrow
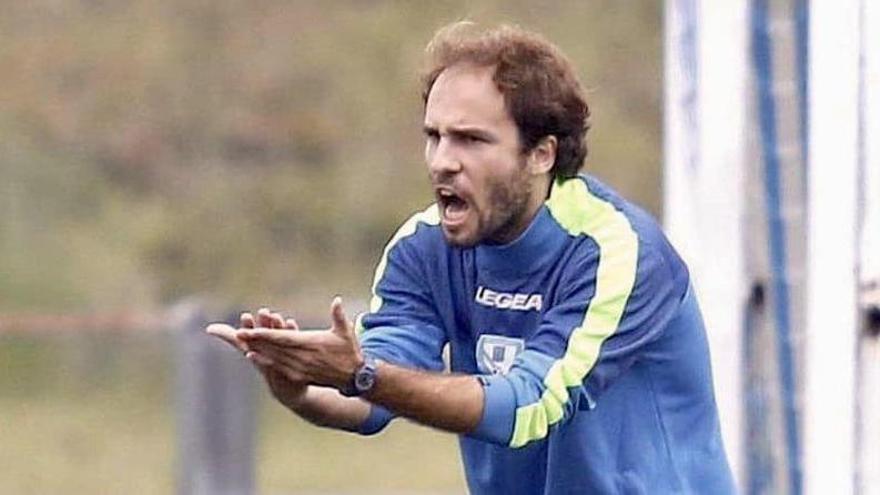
x: 461, y: 131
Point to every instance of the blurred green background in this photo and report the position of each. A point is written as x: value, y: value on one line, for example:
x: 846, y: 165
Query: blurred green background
x: 250, y: 153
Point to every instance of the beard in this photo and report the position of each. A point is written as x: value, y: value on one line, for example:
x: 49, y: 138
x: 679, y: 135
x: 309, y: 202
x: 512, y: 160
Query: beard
x: 505, y: 212
x: 508, y: 209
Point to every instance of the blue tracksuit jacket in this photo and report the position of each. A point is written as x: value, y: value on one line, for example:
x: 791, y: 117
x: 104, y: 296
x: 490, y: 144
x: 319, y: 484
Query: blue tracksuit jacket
x: 588, y: 340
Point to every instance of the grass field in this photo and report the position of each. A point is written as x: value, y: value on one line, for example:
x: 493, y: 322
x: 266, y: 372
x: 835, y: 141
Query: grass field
x: 94, y: 413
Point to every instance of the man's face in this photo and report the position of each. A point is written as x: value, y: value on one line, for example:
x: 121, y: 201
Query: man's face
x: 477, y: 170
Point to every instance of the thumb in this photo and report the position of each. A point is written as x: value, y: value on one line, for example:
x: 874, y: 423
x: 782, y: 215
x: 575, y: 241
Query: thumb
x: 341, y: 325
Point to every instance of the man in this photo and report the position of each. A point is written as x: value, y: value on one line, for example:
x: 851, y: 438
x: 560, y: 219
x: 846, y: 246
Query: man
x: 578, y: 355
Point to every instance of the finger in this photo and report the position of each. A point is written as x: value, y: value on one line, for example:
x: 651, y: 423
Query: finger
x: 282, y: 360
x: 291, y: 324
x: 247, y: 320
x: 337, y: 315
x: 268, y: 350
x: 227, y: 334
x: 277, y: 337
x: 261, y: 360
x: 281, y: 354
x: 277, y: 320
x: 341, y: 326
x: 264, y: 318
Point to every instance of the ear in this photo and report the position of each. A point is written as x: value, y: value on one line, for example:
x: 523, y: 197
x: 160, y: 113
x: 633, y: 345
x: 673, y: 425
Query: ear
x: 543, y: 155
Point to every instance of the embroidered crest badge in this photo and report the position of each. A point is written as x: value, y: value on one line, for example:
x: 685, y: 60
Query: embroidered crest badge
x: 496, y: 353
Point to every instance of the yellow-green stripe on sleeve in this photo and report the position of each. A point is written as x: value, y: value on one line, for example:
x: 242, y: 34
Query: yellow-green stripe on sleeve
x: 581, y: 213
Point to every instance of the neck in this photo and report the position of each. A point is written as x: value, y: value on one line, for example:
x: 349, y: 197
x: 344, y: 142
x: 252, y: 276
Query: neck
x: 539, y: 193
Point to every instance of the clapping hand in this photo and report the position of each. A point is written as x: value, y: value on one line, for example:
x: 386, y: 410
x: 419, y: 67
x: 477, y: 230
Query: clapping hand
x: 328, y: 358
x: 287, y: 389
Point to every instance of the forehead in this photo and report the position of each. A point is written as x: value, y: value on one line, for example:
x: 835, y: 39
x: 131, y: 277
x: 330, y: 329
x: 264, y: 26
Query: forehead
x: 465, y: 95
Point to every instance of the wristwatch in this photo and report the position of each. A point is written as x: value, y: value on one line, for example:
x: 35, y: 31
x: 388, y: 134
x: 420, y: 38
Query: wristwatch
x: 364, y: 378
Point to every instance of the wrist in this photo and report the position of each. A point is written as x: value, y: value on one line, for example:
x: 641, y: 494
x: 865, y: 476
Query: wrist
x: 297, y: 401
x: 363, y: 380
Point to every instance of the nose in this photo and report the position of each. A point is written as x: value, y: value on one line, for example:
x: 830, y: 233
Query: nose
x: 442, y: 160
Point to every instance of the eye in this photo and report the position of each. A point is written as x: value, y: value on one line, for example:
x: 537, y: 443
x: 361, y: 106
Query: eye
x: 469, y: 139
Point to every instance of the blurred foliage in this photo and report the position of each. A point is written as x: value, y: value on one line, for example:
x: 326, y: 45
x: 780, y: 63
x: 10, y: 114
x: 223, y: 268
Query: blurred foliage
x: 255, y: 150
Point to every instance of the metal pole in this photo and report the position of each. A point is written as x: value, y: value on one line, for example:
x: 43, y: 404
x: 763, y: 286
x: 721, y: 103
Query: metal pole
x: 868, y: 366
x: 215, y: 410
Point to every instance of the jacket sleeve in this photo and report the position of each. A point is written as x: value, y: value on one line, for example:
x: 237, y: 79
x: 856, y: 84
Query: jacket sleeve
x: 611, y: 305
x: 402, y: 326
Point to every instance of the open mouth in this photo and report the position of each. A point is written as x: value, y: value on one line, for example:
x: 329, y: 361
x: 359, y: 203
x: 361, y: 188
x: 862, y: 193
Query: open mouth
x: 453, y: 208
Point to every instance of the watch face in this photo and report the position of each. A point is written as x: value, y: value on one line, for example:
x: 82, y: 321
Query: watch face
x: 364, y: 381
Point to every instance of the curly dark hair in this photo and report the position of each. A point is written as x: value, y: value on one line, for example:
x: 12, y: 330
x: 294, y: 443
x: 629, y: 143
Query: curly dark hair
x: 538, y: 83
